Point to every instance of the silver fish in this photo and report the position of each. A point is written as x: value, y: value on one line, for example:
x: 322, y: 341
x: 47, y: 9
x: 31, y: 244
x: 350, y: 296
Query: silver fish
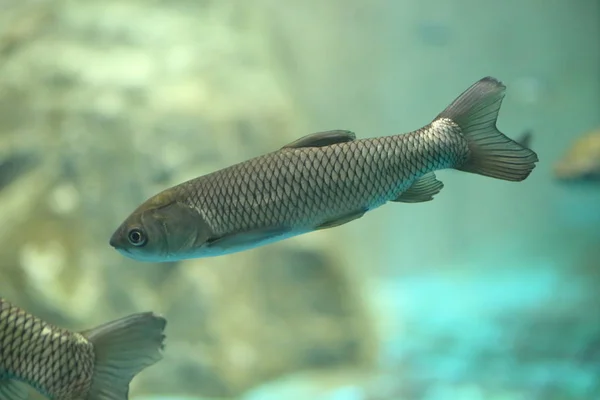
x: 320, y: 181
x: 97, y: 364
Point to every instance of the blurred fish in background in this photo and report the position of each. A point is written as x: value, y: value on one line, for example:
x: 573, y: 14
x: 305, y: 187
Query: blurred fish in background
x: 94, y: 364
x: 488, y: 292
x: 581, y: 161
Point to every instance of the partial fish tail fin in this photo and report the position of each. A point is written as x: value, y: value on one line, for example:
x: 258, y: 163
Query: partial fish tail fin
x: 491, y: 153
x: 123, y: 348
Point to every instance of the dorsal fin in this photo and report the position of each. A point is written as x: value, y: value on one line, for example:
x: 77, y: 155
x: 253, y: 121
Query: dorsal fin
x: 320, y: 139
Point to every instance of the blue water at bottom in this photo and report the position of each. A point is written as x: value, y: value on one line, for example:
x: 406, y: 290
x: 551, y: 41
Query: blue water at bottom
x: 519, y: 333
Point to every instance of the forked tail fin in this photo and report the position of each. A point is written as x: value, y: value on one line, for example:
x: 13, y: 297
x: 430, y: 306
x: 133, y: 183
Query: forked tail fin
x: 491, y: 153
x: 123, y: 348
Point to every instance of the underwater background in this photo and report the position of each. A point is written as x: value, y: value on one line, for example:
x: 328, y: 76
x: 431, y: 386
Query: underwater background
x: 488, y: 292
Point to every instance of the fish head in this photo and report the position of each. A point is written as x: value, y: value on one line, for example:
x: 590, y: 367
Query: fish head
x: 160, y: 230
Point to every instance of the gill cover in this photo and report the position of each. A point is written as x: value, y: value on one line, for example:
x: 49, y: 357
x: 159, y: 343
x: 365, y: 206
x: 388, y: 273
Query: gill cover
x: 161, y: 232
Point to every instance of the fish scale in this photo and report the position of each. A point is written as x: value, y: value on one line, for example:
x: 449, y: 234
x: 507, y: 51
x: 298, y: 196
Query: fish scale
x: 69, y: 357
x: 303, y: 187
x: 97, y: 364
x: 320, y: 181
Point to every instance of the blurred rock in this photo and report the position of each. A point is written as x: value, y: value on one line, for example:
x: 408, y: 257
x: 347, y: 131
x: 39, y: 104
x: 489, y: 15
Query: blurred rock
x: 342, y: 384
x: 22, y: 22
x: 277, y: 312
x: 116, y: 101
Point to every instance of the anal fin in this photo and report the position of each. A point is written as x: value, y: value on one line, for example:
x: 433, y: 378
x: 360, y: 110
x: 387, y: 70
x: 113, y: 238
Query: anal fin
x: 12, y: 390
x: 422, y: 189
x: 344, y: 219
x: 321, y: 139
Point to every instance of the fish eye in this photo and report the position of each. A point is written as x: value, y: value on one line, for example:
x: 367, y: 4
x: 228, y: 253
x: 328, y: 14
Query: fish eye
x: 136, y: 237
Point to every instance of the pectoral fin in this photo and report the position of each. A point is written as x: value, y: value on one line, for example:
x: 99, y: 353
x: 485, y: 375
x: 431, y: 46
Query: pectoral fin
x: 12, y: 390
x: 423, y: 189
x: 247, y: 239
x: 341, y: 220
x: 320, y: 139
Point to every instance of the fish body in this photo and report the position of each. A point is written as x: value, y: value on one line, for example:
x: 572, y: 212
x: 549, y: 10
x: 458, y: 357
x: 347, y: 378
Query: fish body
x: 320, y: 181
x: 581, y: 162
x: 97, y: 364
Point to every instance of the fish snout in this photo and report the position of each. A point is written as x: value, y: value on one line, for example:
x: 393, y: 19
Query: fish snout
x: 115, y: 239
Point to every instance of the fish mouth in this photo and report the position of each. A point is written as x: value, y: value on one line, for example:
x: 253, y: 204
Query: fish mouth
x: 114, y: 240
